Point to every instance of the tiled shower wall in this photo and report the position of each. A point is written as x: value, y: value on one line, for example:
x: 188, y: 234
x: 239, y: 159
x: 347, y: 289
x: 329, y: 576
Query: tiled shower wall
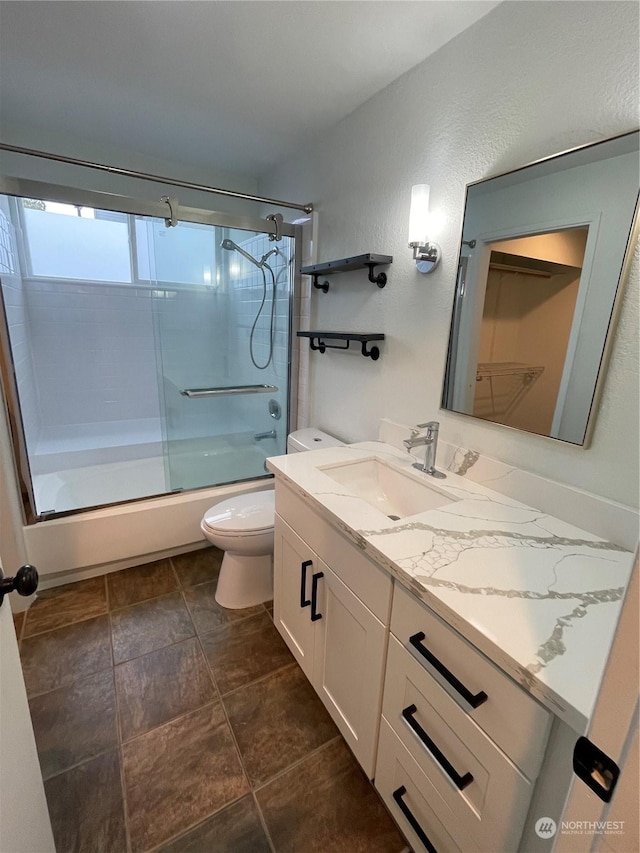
x: 94, y: 353
x: 88, y: 356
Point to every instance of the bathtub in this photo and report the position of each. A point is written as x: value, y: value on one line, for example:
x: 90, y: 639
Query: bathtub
x: 113, y: 537
x: 191, y: 464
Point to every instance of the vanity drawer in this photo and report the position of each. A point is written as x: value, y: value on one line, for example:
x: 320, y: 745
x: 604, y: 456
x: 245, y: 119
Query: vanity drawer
x: 371, y: 584
x: 422, y: 815
x: 483, y: 789
x: 511, y: 718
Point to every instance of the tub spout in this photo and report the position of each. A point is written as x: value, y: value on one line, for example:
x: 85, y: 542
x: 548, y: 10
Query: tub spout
x: 258, y: 436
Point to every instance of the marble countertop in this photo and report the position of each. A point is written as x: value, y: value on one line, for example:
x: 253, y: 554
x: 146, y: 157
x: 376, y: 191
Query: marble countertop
x: 539, y: 597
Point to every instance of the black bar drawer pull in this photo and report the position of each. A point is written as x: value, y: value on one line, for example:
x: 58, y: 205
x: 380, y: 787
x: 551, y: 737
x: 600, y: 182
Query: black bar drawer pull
x: 397, y: 795
x: 314, y: 596
x: 459, y: 781
x: 304, y: 602
x: 474, y: 700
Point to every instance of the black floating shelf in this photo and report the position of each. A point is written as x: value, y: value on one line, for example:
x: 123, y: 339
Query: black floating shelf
x: 318, y: 341
x: 345, y: 265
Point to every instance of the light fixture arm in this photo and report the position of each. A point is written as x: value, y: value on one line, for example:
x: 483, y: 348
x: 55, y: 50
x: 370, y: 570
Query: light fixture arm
x: 426, y: 255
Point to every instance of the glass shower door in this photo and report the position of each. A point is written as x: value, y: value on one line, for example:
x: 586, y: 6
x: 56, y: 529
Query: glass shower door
x: 221, y: 303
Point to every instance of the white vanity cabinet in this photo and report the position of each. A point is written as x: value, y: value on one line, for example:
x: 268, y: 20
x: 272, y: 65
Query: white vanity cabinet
x: 331, y: 606
x: 461, y: 744
x: 453, y: 744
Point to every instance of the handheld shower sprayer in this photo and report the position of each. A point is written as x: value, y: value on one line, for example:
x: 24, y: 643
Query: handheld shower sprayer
x: 262, y: 264
x: 230, y: 246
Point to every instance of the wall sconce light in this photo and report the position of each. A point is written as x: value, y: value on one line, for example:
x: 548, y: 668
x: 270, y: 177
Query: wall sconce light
x: 426, y: 253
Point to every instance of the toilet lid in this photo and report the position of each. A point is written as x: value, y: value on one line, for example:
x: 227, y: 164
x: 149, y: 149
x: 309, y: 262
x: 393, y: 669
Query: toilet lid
x: 250, y: 513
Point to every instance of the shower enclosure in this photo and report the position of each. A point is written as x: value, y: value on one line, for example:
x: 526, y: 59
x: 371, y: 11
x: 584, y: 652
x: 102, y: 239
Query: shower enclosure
x: 140, y: 359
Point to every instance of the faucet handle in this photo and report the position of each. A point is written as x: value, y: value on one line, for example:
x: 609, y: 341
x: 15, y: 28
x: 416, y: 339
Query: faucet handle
x: 432, y: 425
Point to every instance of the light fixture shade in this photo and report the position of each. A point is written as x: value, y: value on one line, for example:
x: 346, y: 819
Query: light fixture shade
x: 419, y: 214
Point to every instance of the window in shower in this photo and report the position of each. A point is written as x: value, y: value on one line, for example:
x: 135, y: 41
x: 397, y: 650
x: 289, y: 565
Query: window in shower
x: 146, y: 359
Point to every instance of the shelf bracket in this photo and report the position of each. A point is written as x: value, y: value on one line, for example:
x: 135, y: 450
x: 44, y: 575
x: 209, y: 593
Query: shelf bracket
x: 324, y: 287
x: 373, y: 353
x: 380, y: 279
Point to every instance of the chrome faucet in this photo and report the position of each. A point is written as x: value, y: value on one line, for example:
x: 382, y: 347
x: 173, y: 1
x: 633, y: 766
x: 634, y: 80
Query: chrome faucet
x: 270, y: 433
x: 430, y: 443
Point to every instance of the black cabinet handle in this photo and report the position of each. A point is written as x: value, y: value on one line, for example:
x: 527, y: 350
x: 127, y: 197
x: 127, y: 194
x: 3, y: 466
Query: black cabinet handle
x: 474, y: 700
x: 304, y: 602
x: 314, y: 596
x: 459, y: 781
x: 24, y: 583
x: 397, y: 795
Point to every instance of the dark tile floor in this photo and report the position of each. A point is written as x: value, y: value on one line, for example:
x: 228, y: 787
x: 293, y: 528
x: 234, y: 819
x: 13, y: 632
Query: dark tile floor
x: 166, y: 723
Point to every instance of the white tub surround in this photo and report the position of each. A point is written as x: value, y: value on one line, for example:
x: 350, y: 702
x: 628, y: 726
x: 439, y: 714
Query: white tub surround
x: 82, y: 545
x: 539, y: 597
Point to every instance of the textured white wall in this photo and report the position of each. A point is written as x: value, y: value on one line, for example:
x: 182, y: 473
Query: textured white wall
x: 528, y: 80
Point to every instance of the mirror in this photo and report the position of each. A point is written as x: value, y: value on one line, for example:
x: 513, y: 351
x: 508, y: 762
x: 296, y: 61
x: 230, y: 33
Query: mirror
x: 541, y: 263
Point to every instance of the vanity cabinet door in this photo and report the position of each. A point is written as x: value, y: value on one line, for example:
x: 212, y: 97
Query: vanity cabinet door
x: 350, y: 649
x: 294, y: 567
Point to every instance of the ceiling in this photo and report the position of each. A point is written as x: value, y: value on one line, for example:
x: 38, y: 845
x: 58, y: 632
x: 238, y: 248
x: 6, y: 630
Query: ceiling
x: 236, y: 85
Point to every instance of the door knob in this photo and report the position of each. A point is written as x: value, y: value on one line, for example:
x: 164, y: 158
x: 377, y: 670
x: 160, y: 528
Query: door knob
x: 24, y: 583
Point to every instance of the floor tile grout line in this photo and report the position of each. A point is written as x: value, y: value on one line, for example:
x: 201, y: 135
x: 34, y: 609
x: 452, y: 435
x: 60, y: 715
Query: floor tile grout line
x: 113, y: 663
x: 175, y: 573
x: 185, y: 832
x: 209, y: 702
x: 85, y: 760
x: 123, y: 781
x: 153, y: 651
x: 228, y: 625
x: 125, y: 802
x: 263, y: 822
x: 84, y: 677
x: 59, y: 627
x: 239, y: 753
x: 258, y: 680
x: 231, y: 802
x: 224, y: 625
x: 176, y: 591
x: 297, y: 763
x: 226, y: 715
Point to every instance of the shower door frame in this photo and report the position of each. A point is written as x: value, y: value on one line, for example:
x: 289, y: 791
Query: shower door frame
x: 25, y: 188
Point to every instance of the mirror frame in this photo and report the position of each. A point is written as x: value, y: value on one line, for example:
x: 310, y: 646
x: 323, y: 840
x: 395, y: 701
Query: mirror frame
x: 632, y: 238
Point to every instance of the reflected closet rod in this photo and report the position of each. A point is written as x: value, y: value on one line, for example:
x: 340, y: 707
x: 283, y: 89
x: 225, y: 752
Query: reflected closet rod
x: 128, y: 173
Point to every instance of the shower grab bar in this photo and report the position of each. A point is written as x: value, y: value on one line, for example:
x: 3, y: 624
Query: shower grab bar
x: 225, y: 390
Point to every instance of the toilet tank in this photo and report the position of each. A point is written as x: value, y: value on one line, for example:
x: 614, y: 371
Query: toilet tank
x: 311, y: 439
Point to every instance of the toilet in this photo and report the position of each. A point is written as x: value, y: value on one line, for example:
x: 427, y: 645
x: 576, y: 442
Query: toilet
x: 242, y: 527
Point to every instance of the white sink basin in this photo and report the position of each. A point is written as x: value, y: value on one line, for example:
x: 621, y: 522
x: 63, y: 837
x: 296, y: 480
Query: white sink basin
x: 395, y: 493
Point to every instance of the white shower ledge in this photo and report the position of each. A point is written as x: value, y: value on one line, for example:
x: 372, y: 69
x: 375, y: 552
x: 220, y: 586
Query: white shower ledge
x: 539, y: 597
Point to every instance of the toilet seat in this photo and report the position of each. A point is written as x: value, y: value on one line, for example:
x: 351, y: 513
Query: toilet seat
x: 251, y: 514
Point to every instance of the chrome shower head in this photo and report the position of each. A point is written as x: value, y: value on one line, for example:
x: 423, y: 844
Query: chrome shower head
x: 230, y: 246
